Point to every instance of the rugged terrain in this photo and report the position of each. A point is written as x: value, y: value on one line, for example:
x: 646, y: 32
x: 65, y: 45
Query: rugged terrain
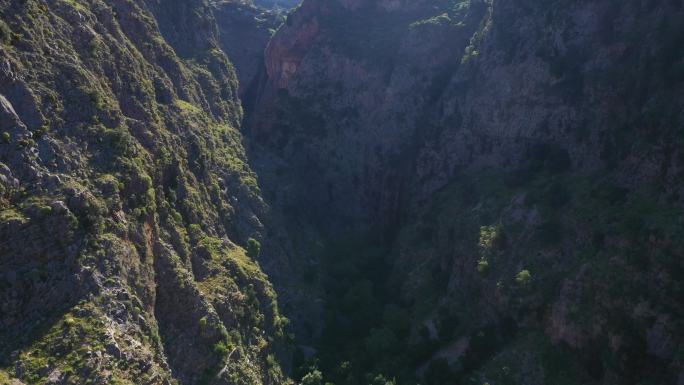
x: 516, y: 165
x: 440, y: 191
x: 244, y: 32
x: 131, y: 221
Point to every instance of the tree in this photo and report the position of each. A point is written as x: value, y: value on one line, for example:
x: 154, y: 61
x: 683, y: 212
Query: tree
x: 314, y: 377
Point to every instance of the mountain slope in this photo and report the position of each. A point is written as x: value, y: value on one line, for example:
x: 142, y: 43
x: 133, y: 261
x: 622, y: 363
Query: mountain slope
x: 128, y: 207
x: 517, y: 166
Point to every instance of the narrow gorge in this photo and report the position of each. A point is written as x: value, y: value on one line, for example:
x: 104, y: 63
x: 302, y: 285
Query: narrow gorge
x: 342, y: 192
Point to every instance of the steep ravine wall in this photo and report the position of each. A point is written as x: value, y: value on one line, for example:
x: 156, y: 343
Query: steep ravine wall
x: 524, y: 160
x: 130, y: 220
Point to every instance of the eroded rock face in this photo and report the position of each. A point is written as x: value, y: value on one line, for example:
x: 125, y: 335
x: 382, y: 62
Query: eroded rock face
x: 285, y: 53
x: 244, y: 32
x: 555, y: 126
x: 521, y: 161
x: 126, y: 201
x: 359, y: 77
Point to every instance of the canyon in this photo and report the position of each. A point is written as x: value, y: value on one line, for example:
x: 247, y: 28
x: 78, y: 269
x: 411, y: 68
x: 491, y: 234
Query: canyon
x: 343, y: 192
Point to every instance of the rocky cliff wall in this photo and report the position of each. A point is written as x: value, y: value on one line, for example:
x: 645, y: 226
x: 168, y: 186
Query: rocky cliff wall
x: 130, y: 217
x: 525, y: 162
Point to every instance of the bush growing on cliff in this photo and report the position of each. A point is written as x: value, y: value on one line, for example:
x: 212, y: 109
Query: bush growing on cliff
x: 314, y: 377
x: 221, y: 351
x: 253, y: 248
x: 40, y: 132
x: 381, y: 380
x: 120, y: 141
x: 488, y: 235
x: 482, y: 266
x: 524, y: 277
x: 203, y: 325
x: 5, y: 33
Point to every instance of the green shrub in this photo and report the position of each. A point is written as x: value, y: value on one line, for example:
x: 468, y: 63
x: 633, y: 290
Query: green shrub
x: 381, y: 380
x: 6, y: 137
x: 314, y: 377
x: 69, y: 322
x: 5, y: 33
x: 27, y: 143
x: 524, y: 277
x: 120, y: 141
x: 221, y: 351
x: 45, y: 210
x: 97, y: 99
x: 253, y: 248
x: 482, y: 266
x: 195, y: 232
x: 488, y: 235
x: 40, y: 132
x: 203, y: 323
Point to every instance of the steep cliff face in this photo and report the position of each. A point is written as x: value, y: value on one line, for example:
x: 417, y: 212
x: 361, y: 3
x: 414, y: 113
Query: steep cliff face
x: 347, y: 84
x: 130, y: 218
x: 244, y: 32
x: 579, y: 105
x: 524, y: 160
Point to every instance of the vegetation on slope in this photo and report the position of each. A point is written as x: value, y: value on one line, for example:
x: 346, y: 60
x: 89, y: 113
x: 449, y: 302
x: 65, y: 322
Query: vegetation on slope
x: 127, y: 202
x: 523, y: 162
x: 503, y: 231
